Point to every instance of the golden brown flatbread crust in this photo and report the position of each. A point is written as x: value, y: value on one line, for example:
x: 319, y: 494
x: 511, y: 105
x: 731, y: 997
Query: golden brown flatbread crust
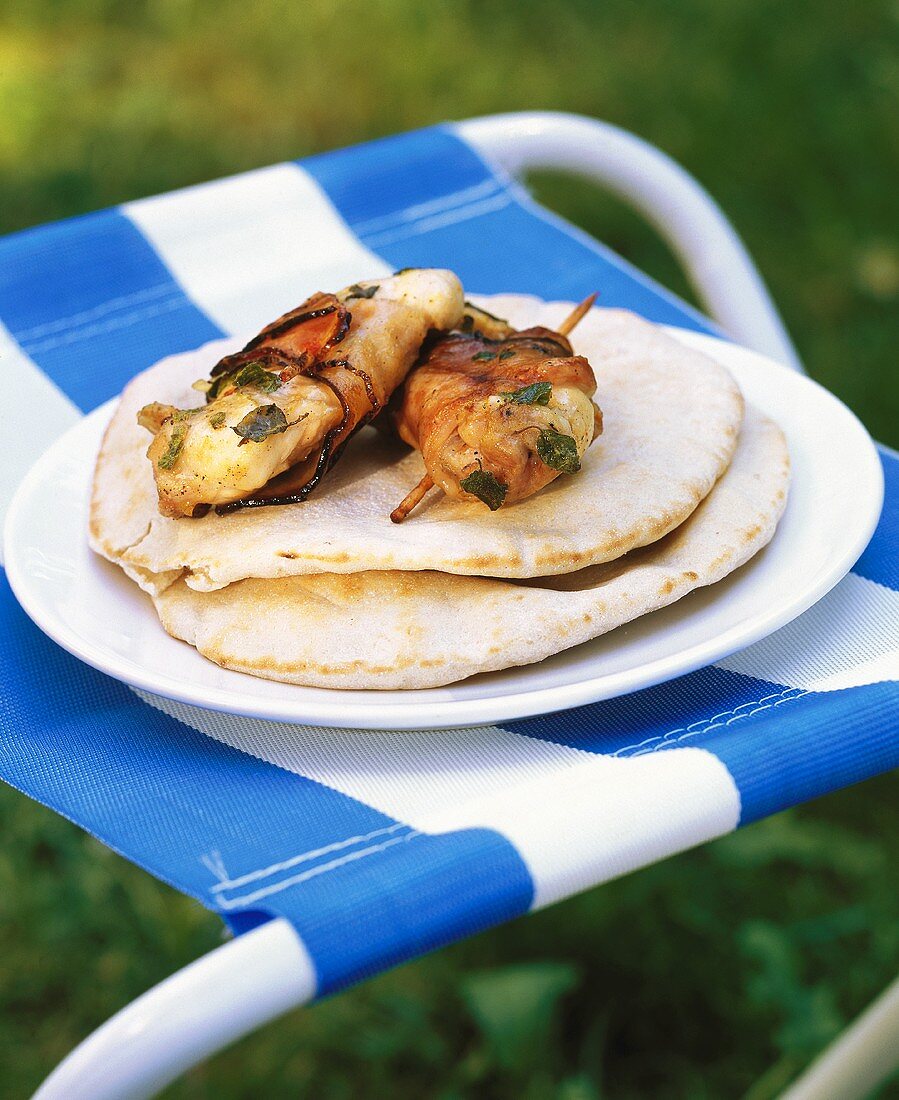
x: 423, y: 629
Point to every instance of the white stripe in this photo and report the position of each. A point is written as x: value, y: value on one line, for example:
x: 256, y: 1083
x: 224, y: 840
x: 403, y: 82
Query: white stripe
x: 248, y: 248
x: 849, y: 638
x: 606, y: 816
x: 405, y: 774
x: 876, y: 671
x: 33, y: 390
x: 576, y: 818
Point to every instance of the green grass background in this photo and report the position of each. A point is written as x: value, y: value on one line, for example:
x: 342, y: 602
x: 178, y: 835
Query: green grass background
x: 716, y: 974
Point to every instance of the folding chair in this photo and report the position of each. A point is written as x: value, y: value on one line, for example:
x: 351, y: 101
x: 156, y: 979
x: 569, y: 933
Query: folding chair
x: 336, y: 854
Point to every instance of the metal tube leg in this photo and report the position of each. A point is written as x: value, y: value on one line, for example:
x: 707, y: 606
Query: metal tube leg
x: 862, y: 1058
x: 204, y: 1007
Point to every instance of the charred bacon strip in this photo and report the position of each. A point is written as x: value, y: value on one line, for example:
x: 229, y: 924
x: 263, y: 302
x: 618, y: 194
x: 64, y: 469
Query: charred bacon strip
x: 497, y: 414
x: 303, y: 335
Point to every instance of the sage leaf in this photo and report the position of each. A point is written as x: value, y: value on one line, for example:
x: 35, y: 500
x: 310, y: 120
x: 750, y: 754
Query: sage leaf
x: 357, y: 291
x: 558, y: 451
x: 250, y: 374
x: 180, y: 424
x: 263, y: 422
x: 486, y: 487
x: 538, y: 393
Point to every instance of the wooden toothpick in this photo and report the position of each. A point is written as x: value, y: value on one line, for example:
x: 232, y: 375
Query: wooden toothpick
x: 411, y: 499
x: 576, y: 315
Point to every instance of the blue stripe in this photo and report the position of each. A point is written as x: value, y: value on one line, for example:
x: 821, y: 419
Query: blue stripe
x: 829, y: 741
x: 91, y: 303
x: 414, y: 897
x: 486, y: 230
x: 880, y: 561
x: 646, y: 720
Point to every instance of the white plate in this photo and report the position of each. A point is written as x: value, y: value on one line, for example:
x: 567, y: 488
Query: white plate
x: 90, y: 608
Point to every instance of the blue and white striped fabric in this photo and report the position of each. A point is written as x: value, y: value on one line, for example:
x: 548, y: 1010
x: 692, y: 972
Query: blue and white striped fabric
x: 380, y: 846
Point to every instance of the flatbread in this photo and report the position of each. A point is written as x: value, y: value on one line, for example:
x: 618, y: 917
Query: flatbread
x: 671, y: 415
x: 419, y: 630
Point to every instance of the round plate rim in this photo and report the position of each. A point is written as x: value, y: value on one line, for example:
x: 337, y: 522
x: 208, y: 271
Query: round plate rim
x: 296, y: 704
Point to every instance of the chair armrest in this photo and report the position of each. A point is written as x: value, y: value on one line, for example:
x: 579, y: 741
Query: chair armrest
x: 713, y: 256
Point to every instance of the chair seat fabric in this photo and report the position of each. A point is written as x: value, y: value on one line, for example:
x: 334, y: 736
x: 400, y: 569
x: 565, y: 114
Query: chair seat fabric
x: 380, y: 846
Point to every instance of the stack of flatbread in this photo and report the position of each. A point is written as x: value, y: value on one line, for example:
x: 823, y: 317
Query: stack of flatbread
x: 684, y: 485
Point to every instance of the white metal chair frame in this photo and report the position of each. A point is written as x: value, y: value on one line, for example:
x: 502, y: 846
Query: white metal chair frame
x: 253, y: 979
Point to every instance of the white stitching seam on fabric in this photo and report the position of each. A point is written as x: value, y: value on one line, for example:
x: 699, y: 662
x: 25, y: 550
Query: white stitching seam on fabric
x: 76, y: 320
x: 707, y: 723
x: 108, y: 326
x: 304, y: 857
x: 423, y: 210
x: 214, y: 864
x: 437, y: 221
x: 313, y: 872
x: 696, y: 733
x: 665, y: 741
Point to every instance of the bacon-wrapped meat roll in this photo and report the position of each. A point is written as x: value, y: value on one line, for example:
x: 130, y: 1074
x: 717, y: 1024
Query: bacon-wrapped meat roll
x: 278, y: 412
x: 497, y: 414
